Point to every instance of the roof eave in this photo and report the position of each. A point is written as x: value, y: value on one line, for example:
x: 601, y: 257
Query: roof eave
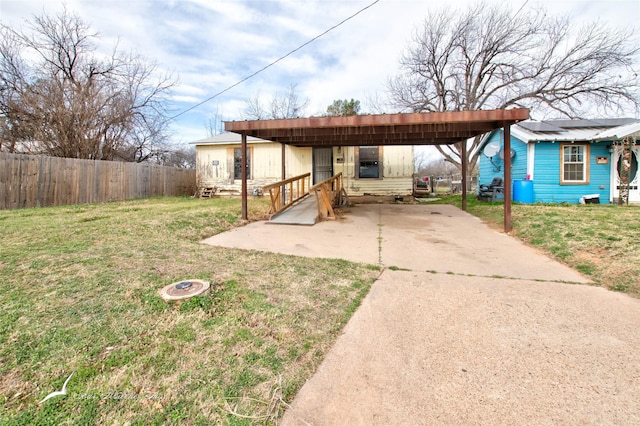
x: 433, y: 128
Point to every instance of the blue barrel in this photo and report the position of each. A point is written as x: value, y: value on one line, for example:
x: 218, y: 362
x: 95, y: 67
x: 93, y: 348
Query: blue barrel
x: 523, y: 191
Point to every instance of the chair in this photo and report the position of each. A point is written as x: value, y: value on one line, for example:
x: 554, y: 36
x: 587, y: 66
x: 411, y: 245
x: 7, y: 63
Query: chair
x: 492, y: 191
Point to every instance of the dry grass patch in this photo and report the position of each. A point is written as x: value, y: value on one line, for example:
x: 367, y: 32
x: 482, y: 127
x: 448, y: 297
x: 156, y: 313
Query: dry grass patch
x: 79, y: 290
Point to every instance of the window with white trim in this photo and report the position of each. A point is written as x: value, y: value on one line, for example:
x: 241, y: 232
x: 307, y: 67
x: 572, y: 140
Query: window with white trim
x: 574, y: 163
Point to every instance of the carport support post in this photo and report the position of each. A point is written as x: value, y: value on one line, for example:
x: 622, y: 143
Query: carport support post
x: 283, y: 196
x: 507, y: 177
x: 463, y: 162
x: 245, y: 214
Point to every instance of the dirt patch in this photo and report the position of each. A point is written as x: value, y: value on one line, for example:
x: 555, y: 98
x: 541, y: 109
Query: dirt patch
x: 381, y: 199
x: 597, y: 256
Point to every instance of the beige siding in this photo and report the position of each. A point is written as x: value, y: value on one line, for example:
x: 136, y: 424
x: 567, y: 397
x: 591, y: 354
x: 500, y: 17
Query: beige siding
x: 298, y: 161
x: 215, y: 164
x: 266, y: 167
x: 398, y: 161
x: 397, y: 175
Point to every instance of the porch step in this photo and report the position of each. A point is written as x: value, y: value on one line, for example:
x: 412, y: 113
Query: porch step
x: 208, y: 191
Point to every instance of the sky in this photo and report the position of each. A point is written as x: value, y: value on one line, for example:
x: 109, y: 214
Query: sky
x: 211, y: 45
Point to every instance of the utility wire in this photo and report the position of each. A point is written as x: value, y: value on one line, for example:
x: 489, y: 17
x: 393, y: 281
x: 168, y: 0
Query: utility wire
x: 521, y: 7
x: 274, y: 62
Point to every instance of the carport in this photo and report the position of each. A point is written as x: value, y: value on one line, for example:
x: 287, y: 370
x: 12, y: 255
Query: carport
x: 433, y: 128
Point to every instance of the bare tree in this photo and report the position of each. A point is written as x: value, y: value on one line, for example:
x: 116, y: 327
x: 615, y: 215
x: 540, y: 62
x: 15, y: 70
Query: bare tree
x: 438, y: 168
x: 254, y: 108
x: 59, y: 98
x: 215, y: 125
x: 281, y: 106
x: 488, y: 57
x: 422, y: 159
x: 181, y: 157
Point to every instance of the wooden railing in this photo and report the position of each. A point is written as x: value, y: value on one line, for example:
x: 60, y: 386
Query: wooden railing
x: 286, y: 192
x: 329, y: 193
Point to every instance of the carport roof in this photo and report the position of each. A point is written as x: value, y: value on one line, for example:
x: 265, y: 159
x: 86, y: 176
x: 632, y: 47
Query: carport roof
x: 430, y: 128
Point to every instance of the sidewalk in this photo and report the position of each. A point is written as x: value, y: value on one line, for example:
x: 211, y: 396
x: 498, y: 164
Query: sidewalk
x: 466, y: 325
x: 439, y: 349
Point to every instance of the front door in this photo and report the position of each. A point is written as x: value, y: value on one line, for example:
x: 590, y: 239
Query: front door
x: 322, y: 164
x: 625, y: 164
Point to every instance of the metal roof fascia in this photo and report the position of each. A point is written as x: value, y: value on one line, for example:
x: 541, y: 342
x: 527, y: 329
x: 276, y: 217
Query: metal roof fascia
x: 234, y: 138
x: 620, y: 132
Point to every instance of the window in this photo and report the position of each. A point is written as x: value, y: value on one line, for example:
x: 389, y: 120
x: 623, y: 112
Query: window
x: 574, y: 163
x: 237, y: 163
x: 369, y: 162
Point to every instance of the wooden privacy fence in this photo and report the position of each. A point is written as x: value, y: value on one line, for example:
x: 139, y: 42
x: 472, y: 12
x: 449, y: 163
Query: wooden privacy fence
x: 39, y: 181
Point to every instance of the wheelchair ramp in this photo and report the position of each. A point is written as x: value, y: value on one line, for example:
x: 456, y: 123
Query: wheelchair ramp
x: 303, y: 212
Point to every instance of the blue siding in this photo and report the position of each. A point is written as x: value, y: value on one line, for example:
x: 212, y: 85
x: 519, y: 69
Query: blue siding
x: 601, y: 173
x: 546, y: 179
x: 547, y: 185
x: 490, y: 168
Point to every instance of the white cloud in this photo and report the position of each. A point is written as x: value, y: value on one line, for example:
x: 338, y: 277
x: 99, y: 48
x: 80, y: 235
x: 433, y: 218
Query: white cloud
x: 186, y: 99
x: 212, y: 45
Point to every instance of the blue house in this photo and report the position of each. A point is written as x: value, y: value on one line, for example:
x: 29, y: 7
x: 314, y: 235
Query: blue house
x: 565, y: 161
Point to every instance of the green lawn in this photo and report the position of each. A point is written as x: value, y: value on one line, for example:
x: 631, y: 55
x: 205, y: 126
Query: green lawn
x: 601, y: 241
x: 79, y: 293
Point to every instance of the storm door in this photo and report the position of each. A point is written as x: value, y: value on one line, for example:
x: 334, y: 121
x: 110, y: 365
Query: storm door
x: 322, y: 164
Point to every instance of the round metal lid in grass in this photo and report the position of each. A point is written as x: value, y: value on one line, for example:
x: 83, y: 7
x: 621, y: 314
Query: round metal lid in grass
x: 184, y: 289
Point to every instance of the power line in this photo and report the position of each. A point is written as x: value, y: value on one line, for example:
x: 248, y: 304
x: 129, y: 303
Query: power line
x: 521, y: 7
x: 274, y: 62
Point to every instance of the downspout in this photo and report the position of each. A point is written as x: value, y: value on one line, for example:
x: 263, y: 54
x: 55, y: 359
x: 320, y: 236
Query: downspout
x: 531, y: 155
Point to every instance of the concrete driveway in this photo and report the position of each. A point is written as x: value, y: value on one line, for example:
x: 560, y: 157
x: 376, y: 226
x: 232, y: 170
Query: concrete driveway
x: 470, y: 327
